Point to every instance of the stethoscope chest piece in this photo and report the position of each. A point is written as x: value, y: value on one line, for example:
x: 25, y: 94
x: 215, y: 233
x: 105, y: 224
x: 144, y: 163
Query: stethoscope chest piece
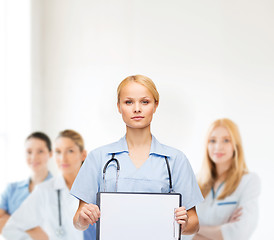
x: 60, y: 232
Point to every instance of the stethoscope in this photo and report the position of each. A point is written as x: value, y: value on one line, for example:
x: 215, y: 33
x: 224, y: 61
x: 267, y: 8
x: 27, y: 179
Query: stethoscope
x: 118, y: 170
x: 60, y: 231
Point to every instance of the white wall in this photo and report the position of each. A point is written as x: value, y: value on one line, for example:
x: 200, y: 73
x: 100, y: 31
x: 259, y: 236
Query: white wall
x: 209, y: 59
x: 15, y: 84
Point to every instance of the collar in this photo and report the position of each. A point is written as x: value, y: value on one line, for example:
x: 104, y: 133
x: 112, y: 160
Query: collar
x: 159, y: 149
x: 49, y: 176
x: 24, y: 183
x: 59, y: 182
x: 156, y: 147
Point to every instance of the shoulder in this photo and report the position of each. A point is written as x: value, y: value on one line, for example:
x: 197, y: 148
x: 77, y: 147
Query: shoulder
x: 173, y: 153
x: 49, y: 184
x: 251, y: 179
x: 165, y: 150
x: 250, y: 184
x: 15, y: 186
x: 106, y: 150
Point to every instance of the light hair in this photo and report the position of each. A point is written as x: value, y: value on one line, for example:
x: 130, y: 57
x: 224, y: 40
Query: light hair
x: 145, y: 81
x: 74, y: 136
x: 208, y: 174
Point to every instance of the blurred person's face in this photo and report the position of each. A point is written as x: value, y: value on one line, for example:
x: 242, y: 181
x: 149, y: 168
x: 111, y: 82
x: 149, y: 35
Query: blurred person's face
x: 136, y: 105
x: 68, y: 156
x: 37, y: 154
x: 220, y: 148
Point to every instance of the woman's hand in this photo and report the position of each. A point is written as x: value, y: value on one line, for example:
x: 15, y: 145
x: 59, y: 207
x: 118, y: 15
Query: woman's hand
x: 85, y: 215
x: 235, y: 216
x: 89, y: 214
x: 181, y: 217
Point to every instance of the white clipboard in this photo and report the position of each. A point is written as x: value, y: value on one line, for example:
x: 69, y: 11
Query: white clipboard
x: 138, y: 216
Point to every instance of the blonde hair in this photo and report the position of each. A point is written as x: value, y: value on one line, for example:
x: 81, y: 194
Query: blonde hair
x: 74, y: 136
x: 238, y: 167
x: 145, y: 81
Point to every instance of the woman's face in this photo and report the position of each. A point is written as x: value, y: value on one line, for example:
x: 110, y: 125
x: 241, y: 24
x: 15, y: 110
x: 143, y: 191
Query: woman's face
x: 68, y: 156
x: 136, y: 105
x: 37, y: 154
x: 220, y: 148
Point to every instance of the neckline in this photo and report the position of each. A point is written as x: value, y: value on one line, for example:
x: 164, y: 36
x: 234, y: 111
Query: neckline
x: 214, y: 194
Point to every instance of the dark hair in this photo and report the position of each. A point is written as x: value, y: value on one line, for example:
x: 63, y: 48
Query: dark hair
x: 41, y: 136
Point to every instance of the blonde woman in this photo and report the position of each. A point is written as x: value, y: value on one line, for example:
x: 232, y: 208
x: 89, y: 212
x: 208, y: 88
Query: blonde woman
x: 50, y: 207
x: 142, y: 160
x: 230, y: 209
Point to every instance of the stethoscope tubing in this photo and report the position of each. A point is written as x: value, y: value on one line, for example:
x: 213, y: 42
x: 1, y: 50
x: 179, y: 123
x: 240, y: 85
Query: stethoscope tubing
x: 59, y: 208
x: 118, y: 170
x: 60, y: 230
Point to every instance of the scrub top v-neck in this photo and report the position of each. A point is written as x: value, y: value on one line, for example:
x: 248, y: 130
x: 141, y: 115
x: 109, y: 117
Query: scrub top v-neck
x: 152, y: 176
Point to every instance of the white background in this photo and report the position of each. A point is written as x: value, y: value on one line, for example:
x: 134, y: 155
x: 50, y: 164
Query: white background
x: 209, y: 59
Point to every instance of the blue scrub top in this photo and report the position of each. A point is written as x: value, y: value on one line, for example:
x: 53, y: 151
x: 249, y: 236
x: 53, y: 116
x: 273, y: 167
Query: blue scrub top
x: 152, y: 176
x: 14, y: 195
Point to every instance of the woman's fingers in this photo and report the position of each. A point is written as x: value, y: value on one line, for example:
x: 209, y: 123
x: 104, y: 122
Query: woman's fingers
x: 90, y: 213
x: 236, y: 215
x: 181, y: 217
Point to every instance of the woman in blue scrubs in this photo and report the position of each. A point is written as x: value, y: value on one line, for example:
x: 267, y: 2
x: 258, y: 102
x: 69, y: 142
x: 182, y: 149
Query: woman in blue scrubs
x: 38, y: 153
x: 142, y: 160
x: 230, y: 209
x: 50, y: 207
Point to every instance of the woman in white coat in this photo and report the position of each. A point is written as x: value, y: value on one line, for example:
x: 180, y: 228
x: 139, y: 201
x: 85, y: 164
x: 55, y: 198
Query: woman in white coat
x: 50, y: 206
x: 230, y: 209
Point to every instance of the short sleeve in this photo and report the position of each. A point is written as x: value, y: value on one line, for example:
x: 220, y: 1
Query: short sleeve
x: 185, y: 182
x: 87, y: 182
x: 244, y: 228
x: 4, y: 199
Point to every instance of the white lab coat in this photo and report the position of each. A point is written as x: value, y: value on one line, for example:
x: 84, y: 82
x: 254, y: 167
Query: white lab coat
x: 41, y: 209
x: 213, y: 212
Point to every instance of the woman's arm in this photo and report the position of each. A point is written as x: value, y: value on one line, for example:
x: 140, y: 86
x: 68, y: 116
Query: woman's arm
x: 85, y: 215
x: 4, y: 217
x: 211, y: 232
x: 200, y: 237
x: 214, y: 232
x: 28, y: 216
x: 37, y: 234
x: 188, y: 219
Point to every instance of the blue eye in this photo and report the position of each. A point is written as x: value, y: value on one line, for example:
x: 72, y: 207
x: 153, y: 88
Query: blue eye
x: 145, y: 102
x: 128, y: 102
x: 212, y: 140
x: 226, y: 140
